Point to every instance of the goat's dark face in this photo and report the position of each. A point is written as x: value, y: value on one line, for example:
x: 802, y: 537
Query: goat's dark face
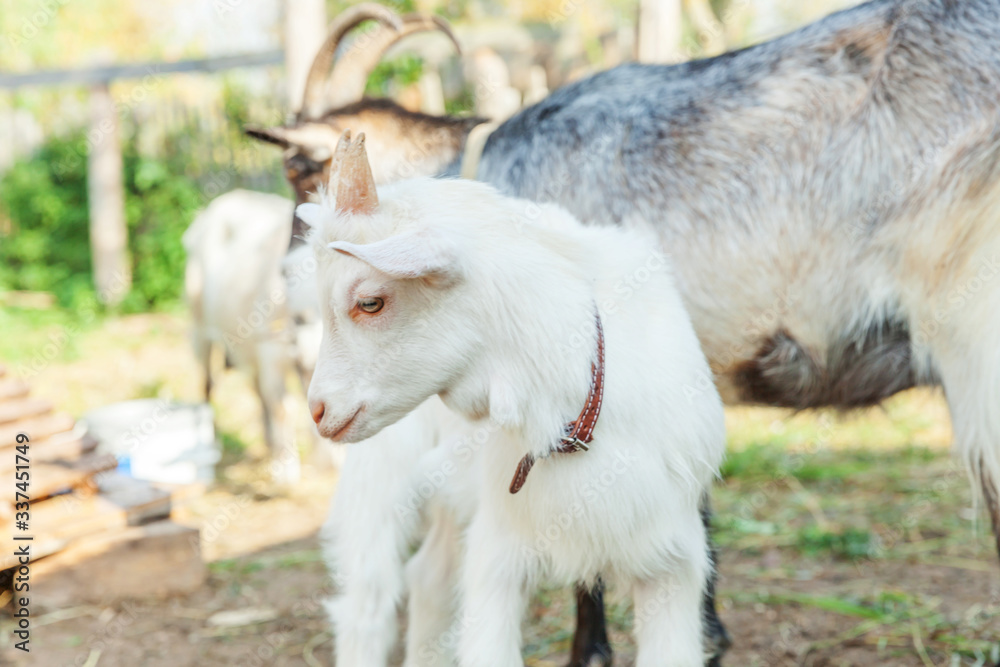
x: 332, y: 102
x: 308, y: 148
x: 403, y: 143
x: 305, y: 175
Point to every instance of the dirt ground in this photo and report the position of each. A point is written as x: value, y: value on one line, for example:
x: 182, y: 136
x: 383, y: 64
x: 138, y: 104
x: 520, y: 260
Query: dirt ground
x: 934, y: 601
x: 844, y: 540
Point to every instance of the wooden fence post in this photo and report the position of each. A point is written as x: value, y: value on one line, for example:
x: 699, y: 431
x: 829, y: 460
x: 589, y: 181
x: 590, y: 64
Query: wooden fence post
x: 711, y: 31
x: 660, y: 31
x: 305, y: 30
x: 106, y: 198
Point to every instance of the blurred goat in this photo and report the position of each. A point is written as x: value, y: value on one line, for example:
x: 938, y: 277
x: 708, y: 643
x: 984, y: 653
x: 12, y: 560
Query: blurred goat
x: 404, y: 143
x: 255, y: 303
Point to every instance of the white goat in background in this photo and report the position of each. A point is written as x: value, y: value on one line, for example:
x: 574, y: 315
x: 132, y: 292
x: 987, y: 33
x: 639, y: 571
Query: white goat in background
x: 450, y: 289
x: 246, y: 296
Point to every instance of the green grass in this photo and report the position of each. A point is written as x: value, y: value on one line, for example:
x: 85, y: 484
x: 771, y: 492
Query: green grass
x: 232, y: 444
x: 236, y: 567
x: 33, y: 338
x: 849, y: 544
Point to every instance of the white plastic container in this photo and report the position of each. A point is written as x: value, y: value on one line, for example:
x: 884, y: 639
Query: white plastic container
x: 157, y: 440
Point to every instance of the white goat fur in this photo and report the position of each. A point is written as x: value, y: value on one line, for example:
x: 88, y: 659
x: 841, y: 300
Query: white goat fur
x: 498, y: 320
x: 244, y: 293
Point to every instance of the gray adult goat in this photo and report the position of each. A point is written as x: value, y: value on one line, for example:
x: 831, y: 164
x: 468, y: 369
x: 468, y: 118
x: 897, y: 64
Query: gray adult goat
x: 831, y: 201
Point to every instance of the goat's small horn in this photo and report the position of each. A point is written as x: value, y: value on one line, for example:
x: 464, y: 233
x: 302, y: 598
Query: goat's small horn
x: 314, y: 94
x: 350, y: 74
x: 356, y: 192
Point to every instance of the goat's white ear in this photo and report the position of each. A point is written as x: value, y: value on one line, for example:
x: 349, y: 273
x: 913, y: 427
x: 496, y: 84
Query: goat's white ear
x: 311, y: 214
x: 406, y: 255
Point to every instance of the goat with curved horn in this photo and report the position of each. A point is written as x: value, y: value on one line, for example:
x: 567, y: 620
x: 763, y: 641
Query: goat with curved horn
x: 312, y: 97
x: 350, y: 74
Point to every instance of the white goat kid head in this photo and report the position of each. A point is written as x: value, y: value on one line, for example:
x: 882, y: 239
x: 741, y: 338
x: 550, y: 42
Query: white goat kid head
x: 387, y: 281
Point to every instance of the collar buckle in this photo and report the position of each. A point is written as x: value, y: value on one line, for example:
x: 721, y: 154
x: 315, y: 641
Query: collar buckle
x: 572, y: 444
x: 579, y: 433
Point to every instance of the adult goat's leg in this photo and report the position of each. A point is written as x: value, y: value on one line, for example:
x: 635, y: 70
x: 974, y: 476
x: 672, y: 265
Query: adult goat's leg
x: 968, y: 363
x: 992, y: 502
x: 717, y: 640
x: 590, y: 642
x: 203, y: 350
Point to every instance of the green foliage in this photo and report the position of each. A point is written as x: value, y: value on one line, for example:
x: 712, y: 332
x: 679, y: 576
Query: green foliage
x: 402, y: 71
x: 464, y: 104
x: 44, y: 222
x: 44, y: 232
x: 44, y: 238
x: 161, y: 201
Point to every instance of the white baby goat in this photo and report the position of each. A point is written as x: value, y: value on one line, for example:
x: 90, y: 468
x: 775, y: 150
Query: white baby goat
x: 497, y: 305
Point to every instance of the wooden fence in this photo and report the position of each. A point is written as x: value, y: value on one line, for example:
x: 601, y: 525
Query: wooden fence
x: 222, y: 161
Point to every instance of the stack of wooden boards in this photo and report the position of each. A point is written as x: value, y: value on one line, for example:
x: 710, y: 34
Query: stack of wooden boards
x: 97, y: 535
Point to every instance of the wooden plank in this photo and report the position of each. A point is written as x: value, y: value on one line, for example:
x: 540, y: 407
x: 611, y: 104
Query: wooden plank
x: 141, y: 501
x: 58, y: 522
x: 182, y: 494
x: 25, y: 408
x: 12, y: 388
x: 154, y: 70
x: 67, y: 446
x: 37, y: 429
x: 48, y: 479
x: 152, y: 561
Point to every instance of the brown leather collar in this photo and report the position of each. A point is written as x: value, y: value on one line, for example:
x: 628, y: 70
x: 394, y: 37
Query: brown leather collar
x: 579, y: 433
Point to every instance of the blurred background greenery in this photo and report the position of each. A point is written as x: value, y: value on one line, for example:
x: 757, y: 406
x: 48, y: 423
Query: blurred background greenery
x: 181, y: 136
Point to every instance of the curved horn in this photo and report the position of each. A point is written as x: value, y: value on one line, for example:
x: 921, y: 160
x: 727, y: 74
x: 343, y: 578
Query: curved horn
x: 312, y: 96
x: 350, y: 74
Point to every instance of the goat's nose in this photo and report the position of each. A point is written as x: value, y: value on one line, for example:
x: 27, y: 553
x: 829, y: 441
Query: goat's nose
x: 317, y: 408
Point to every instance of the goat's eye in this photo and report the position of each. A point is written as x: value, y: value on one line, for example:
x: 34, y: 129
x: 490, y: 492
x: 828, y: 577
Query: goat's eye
x: 371, y: 304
